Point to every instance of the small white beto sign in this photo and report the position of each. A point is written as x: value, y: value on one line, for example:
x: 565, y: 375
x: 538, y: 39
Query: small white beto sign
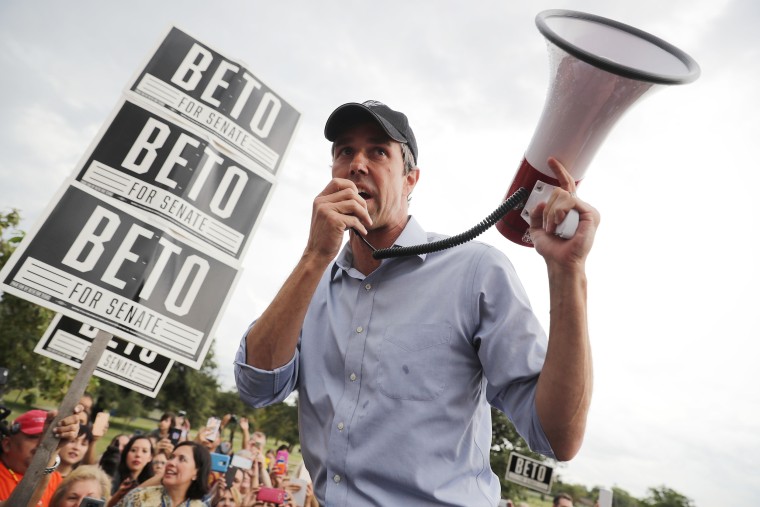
x: 530, y: 473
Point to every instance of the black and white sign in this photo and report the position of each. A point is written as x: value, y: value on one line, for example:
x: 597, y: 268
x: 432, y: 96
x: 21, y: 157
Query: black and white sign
x: 67, y: 340
x: 145, y: 159
x: 221, y: 96
x: 100, y: 263
x: 530, y: 473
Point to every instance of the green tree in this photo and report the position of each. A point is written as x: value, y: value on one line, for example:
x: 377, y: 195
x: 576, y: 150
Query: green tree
x: 229, y: 402
x: 504, y: 440
x: 278, y: 421
x: 621, y: 498
x: 122, y: 401
x: 194, y: 391
x: 22, y: 324
x: 666, y: 497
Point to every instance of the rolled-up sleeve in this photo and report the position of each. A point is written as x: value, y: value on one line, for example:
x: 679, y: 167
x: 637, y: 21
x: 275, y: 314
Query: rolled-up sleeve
x: 512, y: 347
x: 259, y: 388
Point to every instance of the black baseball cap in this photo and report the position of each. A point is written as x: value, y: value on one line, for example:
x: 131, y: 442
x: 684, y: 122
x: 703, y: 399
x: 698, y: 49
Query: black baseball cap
x: 394, y: 123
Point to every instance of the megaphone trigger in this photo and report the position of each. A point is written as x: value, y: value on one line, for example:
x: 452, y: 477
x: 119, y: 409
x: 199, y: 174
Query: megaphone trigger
x: 541, y: 193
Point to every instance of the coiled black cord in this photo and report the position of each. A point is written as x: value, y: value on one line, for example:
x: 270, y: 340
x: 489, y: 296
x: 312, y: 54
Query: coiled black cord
x: 509, y: 203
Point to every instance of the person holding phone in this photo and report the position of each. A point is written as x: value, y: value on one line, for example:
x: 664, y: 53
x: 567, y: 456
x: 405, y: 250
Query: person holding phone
x: 165, y: 424
x: 87, y: 481
x: 72, y: 453
x: 185, y: 480
x: 411, y: 353
x: 97, y: 431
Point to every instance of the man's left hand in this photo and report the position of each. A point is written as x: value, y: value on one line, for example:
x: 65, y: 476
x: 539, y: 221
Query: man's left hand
x: 545, y: 218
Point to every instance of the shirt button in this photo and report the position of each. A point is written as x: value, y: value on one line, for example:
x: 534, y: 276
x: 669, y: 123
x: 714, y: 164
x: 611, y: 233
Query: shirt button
x: 336, y: 478
x: 359, y: 329
x: 341, y: 426
x: 353, y: 377
x: 368, y: 286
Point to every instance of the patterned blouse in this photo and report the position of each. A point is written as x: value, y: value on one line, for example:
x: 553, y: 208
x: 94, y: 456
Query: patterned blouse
x: 154, y: 496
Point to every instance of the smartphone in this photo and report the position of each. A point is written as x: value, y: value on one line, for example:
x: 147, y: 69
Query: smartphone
x: 241, y: 462
x: 219, y: 462
x: 213, y: 423
x: 100, y: 425
x: 229, y: 475
x: 174, y: 435
x: 92, y: 502
x: 273, y: 495
x: 298, y: 491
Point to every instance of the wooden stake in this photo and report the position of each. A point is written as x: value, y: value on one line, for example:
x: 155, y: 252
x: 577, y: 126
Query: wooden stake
x: 24, y: 491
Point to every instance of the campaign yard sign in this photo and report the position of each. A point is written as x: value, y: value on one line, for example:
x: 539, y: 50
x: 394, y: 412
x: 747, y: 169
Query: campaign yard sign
x: 103, y: 263
x: 146, y: 239
x: 219, y: 95
x: 146, y: 159
x: 137, y: 368
x: 530, y: 473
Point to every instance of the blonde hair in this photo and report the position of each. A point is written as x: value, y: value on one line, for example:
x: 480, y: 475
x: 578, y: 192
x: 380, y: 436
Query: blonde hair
x: 83, y: 473
x: 236, y: 497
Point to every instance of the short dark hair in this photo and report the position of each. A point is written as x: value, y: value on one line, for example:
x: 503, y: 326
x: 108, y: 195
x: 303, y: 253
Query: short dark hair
x: 86, y: 430
x: 199, y: 487
x: 561, y: 496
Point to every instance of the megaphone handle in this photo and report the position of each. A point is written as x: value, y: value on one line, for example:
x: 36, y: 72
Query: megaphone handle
x: 541, y: 193
x: 566, y: 229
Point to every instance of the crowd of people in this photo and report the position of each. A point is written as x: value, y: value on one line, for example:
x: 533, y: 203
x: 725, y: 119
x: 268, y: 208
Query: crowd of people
x: 172, y: 465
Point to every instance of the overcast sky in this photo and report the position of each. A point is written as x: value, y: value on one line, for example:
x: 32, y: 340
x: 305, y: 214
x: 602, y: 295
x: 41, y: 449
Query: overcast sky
x: 674, y: 272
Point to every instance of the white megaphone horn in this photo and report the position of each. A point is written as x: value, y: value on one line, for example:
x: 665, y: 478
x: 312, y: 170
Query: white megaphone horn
x: 600, y: 68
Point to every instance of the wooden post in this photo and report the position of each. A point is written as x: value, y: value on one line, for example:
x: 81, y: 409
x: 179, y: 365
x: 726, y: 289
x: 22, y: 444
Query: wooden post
x: 22, y: 494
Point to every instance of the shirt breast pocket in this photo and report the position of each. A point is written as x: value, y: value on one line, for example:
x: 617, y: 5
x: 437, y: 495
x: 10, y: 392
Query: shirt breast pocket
x: 414, y: 361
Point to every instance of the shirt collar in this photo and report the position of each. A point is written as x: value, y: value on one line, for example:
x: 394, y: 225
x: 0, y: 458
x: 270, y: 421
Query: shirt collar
x: 413, y: 234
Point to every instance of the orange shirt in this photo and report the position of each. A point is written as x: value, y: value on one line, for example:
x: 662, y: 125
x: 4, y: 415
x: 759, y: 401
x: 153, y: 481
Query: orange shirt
x: 9, y: 480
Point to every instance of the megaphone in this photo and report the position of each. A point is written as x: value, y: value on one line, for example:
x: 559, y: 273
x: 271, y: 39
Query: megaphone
x: 600, y: 68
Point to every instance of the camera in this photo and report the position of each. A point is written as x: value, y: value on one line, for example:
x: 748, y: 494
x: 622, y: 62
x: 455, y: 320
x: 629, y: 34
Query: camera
x: 233, y: 419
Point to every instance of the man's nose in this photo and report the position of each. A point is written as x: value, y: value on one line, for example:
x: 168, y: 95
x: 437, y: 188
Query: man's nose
x: 359, y: 163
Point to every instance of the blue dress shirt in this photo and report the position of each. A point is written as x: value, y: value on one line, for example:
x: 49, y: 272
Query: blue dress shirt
x: 395, y: 372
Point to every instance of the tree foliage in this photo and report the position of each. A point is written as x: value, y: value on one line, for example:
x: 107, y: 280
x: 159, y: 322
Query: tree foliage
x: 665, y: 497
x: 505, y: 440
x: 22, y: 324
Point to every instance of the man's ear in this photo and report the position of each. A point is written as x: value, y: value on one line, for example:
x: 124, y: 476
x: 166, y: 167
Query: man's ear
x: 410, y: 179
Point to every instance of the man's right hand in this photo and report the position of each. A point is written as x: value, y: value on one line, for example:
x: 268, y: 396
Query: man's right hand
x: 336, y: 209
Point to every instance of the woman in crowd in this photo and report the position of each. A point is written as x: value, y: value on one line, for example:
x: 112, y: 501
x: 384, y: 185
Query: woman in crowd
x: 226, y: 497
x: 159, y: 463
x: 87, y: 480
x: 73, y: 452
x: 167, y: 422
x: 185, y: 480
x: 134, y: 466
